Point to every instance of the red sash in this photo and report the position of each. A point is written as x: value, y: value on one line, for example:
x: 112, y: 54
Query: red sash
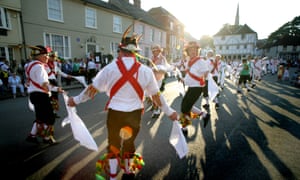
x: 201, y: 79
x: 126, y: 76
x: 28, y: 75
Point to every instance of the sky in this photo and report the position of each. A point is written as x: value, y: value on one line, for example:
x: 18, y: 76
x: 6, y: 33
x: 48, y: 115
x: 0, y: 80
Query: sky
x: 208, y: 17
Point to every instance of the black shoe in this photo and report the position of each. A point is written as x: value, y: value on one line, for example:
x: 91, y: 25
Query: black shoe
x: 253, y: 85
x: 248, y: 90
x: 49, y: 141
x: 155, y: 116
x: 56, y: 116
x: 217, y: 106
x: 128, y: 176
x: 32, y: 139
x: 184, y: 131
x: 206, y: 119
x: 239, y: 91
x: 206, y: 106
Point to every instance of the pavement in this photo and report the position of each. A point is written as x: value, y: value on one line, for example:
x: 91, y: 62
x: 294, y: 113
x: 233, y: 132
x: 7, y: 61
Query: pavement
x: 8, y: 95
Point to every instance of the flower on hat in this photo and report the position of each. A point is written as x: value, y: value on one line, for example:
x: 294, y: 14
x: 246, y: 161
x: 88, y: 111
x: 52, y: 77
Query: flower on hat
x: 130, y: 43
x: 38, y: 50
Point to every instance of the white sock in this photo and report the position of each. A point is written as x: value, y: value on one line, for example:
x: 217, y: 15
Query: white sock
x: 207, y: 100
x: 127, y: 165
x: 113, y: 164
x: 33, y: 130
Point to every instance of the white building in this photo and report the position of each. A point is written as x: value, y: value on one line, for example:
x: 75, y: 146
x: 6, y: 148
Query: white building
x: 235, y: 41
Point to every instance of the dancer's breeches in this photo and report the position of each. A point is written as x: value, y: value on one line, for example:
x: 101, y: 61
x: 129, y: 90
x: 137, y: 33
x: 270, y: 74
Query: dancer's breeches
x: 188, y: 101
x: 117, y: 120
x: 190, y: 98
x: 42, y: 107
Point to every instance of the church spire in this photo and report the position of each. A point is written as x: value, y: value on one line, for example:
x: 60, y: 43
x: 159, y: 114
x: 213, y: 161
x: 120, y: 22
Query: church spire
x: 237, y: 16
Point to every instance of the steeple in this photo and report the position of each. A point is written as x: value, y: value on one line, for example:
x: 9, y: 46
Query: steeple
x: 237, y: 16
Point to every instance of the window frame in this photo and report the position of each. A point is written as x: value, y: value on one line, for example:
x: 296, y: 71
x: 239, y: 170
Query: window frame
x: 63, y: 49
x: 117, y: 24
x: 4, y: 19
x: 151, y: 35
x: 93, y: 18
x: 59, y: 10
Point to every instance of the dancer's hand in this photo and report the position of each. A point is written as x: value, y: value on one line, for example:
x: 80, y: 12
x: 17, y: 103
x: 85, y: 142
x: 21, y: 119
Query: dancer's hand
x: 174, y: 116
x: 91, y: 91
x: 71, y: 102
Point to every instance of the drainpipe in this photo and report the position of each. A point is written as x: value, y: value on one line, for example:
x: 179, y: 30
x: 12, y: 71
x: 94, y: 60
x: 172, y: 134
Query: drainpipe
x: 23, y: 35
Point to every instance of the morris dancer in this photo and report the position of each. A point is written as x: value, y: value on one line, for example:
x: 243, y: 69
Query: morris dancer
x: 208, y: 60
x: 222, y: 73
x: 244, y: 75
x: 125, y: 81
x: 215, y: 66
x: 53, y: 70
x: 160, y: 70
x: 195, y: 80
x: 257, y: 68
x: 39, y: 90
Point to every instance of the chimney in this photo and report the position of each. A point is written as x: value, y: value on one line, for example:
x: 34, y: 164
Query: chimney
x: 137, y: 3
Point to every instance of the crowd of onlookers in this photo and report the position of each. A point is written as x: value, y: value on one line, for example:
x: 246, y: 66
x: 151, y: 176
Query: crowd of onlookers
x: 12, y: 75
x: 13, y: 78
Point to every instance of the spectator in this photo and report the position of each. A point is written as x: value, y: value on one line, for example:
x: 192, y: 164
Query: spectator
x: 1, y: 87
x: 91, y: 70
x: 4, y: 71
x: 286, y: 74
x: 15, y: 82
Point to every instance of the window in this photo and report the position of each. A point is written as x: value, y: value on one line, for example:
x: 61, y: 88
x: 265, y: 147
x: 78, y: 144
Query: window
x: 4, y: 21
x: 178, y: 29
x: 90, y: 18
x: 140, y: 31
x: 284, y: 47
x: 117, y: 24
x: 147, y: 52
x: 171, y: 25
x: 160, y: 36
x: 151, y: 35
x: 113, y: 49
x: 7, y: 52
x: 59, y: 43
x: 55, y: 10
x: 243, y: 36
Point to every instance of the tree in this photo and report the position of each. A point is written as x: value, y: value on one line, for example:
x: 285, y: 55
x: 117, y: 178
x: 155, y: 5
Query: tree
x: 207, y: 42
x: 287, y: 34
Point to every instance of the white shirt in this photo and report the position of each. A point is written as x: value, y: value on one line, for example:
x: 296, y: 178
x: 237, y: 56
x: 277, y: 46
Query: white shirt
x: 14, y: 81
x: 126, y: 99
x: 91, y: 65
x: 199, y: 68
x: 39, y: 75
x: 4, y: 67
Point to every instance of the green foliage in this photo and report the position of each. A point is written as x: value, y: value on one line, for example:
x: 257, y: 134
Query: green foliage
x: 287, y: 34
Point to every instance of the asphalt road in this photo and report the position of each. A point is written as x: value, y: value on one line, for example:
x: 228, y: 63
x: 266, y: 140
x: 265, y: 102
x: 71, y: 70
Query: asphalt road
x: 251, y: 136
